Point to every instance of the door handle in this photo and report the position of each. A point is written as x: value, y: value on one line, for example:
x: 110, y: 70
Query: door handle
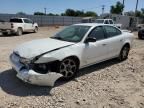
x: 104, y: 44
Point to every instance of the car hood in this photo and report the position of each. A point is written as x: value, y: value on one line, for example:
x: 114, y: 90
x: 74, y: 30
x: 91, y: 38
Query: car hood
x: 37, y: 47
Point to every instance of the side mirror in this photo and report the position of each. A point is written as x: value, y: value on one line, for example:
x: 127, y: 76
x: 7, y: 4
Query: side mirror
x: 90, y: 39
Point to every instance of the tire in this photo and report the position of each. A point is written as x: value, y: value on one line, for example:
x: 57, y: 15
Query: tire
x: 140, y: 36
x: 36, y: 30
x: 68, y: 68
x: 19, y: 32
x: 124, y: 53
x: 5, y: 33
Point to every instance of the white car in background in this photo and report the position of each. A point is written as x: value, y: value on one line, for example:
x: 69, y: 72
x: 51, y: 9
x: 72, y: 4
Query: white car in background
x: 18, y: 26
x: 108, y: 21
x: 43, y: 61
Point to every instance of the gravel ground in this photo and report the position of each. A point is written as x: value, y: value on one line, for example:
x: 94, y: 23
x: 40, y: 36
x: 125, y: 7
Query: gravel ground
x: 110, y: 84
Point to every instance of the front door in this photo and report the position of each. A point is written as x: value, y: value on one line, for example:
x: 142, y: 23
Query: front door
x: 28, y: 25
x: 95, y: 51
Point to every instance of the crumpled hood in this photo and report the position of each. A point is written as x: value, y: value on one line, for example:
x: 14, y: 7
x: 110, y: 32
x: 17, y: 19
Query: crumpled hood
x: 37, y: 47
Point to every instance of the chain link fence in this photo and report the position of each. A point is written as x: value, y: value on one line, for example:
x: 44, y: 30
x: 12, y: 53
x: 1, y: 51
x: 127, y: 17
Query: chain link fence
x: 45, y: 20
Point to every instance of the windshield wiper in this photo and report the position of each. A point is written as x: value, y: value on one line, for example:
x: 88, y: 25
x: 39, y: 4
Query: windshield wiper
x: 59, y: 38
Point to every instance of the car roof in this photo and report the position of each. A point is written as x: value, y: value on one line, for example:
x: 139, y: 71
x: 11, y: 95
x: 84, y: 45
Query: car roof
x: 18, y: 18
x: 103, y: 19
x: 90, y: 24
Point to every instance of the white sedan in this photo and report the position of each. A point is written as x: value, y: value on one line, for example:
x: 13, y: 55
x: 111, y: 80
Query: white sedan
x: 44, y: 61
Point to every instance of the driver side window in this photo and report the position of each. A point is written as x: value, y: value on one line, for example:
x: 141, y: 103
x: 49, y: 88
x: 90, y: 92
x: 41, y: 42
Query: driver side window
x: 97, y: 33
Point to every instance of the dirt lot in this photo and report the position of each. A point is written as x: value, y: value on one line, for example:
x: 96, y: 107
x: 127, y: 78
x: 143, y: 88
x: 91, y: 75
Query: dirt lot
x: 110, y: 84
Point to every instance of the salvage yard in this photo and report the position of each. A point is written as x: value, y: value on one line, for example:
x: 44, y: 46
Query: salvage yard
x: 110, y: 84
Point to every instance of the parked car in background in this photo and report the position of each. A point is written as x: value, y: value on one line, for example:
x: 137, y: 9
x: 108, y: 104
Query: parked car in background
x: 141, y: 34
x: 18, y: 26
x: 140, y: 26
x: 43, y: 61
x: 107, y: 21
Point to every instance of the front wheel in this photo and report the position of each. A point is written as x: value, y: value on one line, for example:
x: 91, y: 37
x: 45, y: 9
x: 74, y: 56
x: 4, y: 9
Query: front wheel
x: 124, y: 53
x: 36, y: 30
x: 68, y: 68
x: 140, y: 36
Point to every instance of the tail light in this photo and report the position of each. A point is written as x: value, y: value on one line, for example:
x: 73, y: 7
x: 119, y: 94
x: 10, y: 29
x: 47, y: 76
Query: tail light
x: 12, y: 25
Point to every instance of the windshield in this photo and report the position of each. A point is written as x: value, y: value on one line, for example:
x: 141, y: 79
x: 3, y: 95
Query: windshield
x: 99, y: 21
x: 72, y: 33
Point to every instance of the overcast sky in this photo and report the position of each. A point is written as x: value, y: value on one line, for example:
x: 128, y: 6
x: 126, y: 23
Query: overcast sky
x: 59, y: 6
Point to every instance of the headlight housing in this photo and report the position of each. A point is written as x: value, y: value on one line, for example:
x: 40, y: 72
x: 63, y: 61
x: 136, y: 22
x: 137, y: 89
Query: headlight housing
x: 25, y: 61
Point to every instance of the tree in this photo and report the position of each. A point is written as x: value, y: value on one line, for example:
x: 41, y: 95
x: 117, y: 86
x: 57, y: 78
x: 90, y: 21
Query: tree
x: 130, y: 13
x: 79, y: 13
x: 70, y: 12
x: 138, y: 14
x: 21, y: 13
x: 39, y: 13
x: 51, y: 14
x: 91, y: 13
x: 117, y: 9
x: 142, y: 12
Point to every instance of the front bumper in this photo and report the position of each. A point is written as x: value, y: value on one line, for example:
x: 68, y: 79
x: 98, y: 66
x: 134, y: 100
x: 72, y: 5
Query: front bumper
x: 32, y: 77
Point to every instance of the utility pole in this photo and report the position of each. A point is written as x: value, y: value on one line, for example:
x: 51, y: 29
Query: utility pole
x: 103, y: 9
x: 123, y: 2
x: 45, y: 11
x: 123, y: 5
x: 136, y: 6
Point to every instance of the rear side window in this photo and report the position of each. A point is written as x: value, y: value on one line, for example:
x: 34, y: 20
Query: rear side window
x: 112, y: 31
x: 97, y: 33
x: 16, y: 20
x: 106, y: 22
x: 111, y: 22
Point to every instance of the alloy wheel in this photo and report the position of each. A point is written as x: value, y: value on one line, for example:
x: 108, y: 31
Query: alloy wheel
x: 68, y: 68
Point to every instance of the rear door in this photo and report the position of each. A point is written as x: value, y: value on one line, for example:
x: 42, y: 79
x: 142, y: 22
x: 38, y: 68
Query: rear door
x: 115, y: 40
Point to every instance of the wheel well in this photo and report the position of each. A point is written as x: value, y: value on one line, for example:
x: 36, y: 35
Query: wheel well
x: 75, y: 58
x: 127, y: 44
x: 20, y: 28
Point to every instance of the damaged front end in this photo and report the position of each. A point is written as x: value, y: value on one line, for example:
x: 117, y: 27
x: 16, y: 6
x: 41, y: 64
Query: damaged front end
x: 43, y: 74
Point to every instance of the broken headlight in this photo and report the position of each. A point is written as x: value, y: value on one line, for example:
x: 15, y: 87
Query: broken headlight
x: 25, y: 61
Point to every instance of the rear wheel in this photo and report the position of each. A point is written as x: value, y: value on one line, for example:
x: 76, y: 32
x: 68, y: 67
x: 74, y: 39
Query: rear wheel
x: 19, y: 32
x: 5, y: 33
x: 124, y: 53
x: 68, y: 68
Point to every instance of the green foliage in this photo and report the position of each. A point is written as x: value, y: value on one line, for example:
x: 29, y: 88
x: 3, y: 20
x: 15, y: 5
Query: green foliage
x: 117, y: 9
x: 21, y: 13
x: 71, y: 12
x: 39, y: 13
x: 91, y: 13
x: 137, y: 14
x: 130, y: 13
x: 51, y: 14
